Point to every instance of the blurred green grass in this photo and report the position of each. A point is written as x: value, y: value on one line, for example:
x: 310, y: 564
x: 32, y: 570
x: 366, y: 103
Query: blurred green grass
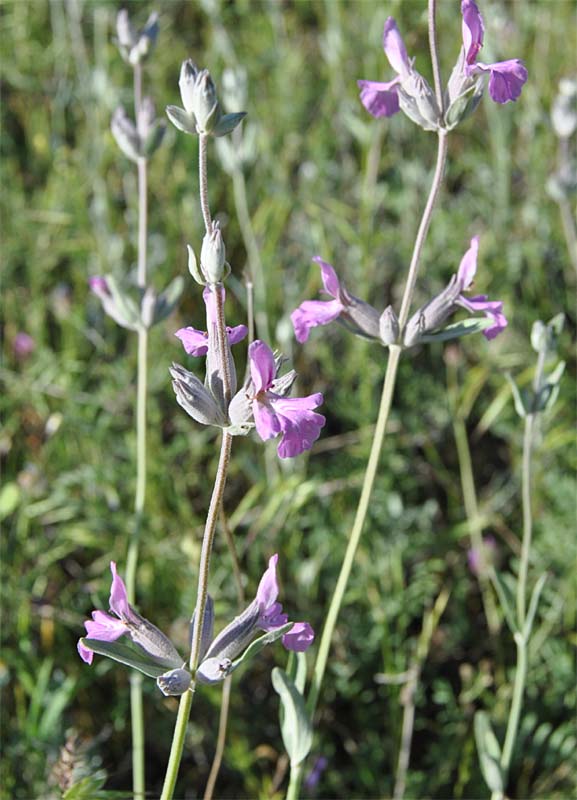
x: 327, y: 179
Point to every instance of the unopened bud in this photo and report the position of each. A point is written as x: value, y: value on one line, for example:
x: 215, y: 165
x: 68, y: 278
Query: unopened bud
x: 389, y: 326
x: 417, y: 100
x: 174, y: 682
x: 125, y: 133
x: 213, y: 255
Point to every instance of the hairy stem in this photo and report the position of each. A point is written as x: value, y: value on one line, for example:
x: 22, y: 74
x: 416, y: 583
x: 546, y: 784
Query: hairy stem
x: 434, y: 55
x: 203, y: 182
x: 221, y: 739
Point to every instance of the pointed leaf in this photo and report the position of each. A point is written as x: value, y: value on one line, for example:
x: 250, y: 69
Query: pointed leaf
x: 127, y: 655
x: 517, y: 397
x: 506, y: 599
x: 489, y: 752
x: 296, y: 725
x: 181, y: 120
x: 533, y: 603
x: 228, y: 123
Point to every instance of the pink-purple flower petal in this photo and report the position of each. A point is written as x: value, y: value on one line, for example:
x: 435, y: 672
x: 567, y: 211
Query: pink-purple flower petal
x: 473, y: 30
x: 312, y: 313
x: 266, y: 421
x: 468, y: 265
x: 262, y: 366
x: 380, y: 99
x: 299, y: 638
x: 267, y: 591
x: 492, y: 309
x: 329, y: 277
x: 507, y: 80
x: 195, y: 342
x: 395, y: 49
x: 118, y: 596
x: 300, y: 425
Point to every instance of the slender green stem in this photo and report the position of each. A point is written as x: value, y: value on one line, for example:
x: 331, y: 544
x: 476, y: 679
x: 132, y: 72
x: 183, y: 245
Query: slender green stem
x: 202, y: 593
x: 296, y: 776
x: 516, y: 703
x: 221, y: 738
x: 424, y: 228
x: 378, y: 436
x: 521, y: 635
x: 527, y: 520
x: 136, y: 704
x: 357, y: 529
x: 470, y: 500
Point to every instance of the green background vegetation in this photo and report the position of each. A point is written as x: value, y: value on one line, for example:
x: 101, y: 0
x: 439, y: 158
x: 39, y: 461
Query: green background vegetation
x: 325, y: 179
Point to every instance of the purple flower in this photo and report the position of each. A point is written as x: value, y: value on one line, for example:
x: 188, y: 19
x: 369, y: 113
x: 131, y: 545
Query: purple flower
x: 293, y: 418
x: 98, y: 285
x: 320, y: 312
x: 127, y: 621
x: 381, y: 99
x: 103, y: 626
x: 196, y: 342
x: 506, y: 77
x: 22, y: 345
x: 493, y: 309
x: 489, y: 552
x: 316, y: 772
x: 300, y: 637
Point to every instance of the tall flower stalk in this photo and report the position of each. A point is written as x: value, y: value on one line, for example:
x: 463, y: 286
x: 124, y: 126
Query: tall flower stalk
x: 438, y: 110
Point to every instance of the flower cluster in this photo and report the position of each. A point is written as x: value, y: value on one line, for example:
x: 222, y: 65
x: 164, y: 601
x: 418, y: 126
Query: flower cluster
x: 262, y: 401
x: 409, y: 91
x: 156, y: 656
x: 366, y: 321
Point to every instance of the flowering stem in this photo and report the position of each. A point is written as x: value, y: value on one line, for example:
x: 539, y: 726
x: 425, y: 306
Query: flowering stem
x: 423, y: 228
x: 202, y: 593
x: 378, y: 438
x: 136, y: 705
x: 221, y: 739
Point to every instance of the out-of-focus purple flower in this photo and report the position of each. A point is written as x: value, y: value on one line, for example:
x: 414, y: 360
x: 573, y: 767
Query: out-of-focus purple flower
x: 195, y: 342
x: 493, y: 309
x: 271, y: 616
x: 320, y: 312
x: 293, y: 417
x: 98, y: 285
x: 314, y: 776
x: 507, y: 78
x: 22, y: 345
x: 382, y: 99
x: 474, y: 557
x: 103, y: 626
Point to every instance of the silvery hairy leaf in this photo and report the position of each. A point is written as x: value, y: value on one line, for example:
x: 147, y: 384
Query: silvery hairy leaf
x: 181, y: 119
x: 296, y: 727
x: 489, y: 752
x: 129, y: 656
x: 227, y: 123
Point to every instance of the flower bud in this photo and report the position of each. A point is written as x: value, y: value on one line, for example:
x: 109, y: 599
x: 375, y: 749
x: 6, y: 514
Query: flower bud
x: 194, y: 398
x: 213, y: 670
x: 212, y: 256
x: 233, y: 639
x: 174, y: 682
x: 432, y: 315
x: 417, y: 100
x: 186, y: 83
x: 389, y: 326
